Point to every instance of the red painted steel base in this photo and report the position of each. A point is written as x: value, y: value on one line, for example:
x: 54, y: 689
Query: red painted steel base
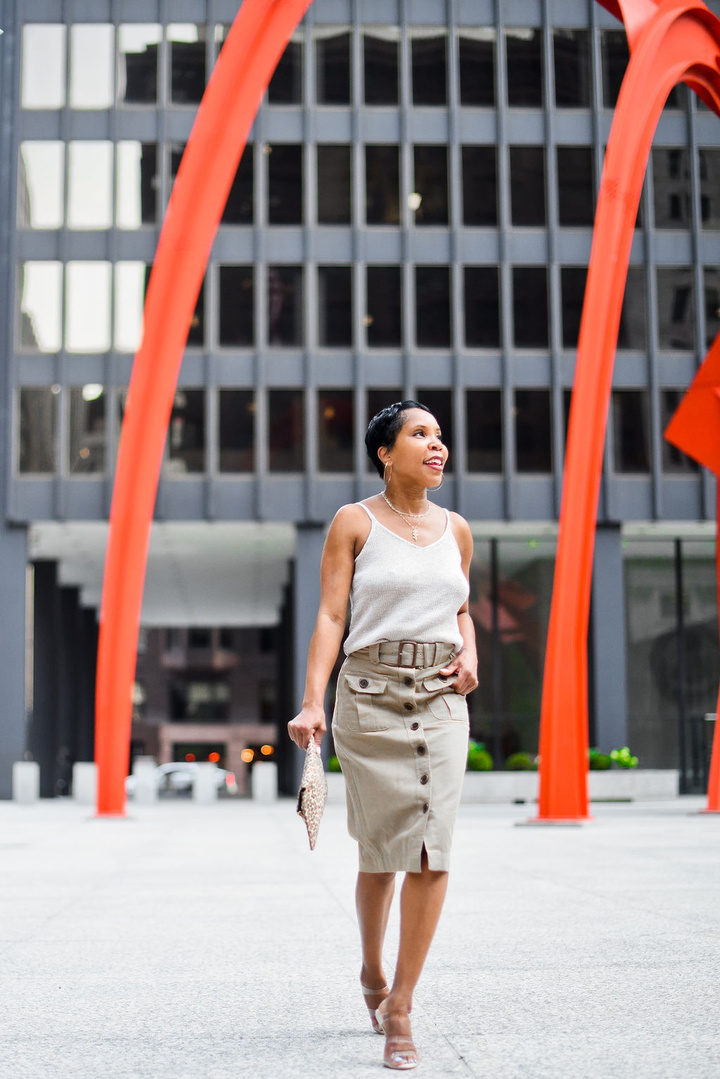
x: 249, y: 56
x: 670, y: 42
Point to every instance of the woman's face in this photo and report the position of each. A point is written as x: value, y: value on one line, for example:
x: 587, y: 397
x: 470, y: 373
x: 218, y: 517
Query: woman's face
x: 418, y: 453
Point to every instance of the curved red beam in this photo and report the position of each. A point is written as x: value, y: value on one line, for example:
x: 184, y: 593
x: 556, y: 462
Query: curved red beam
x: 249, y: 56
x: 679, y: 41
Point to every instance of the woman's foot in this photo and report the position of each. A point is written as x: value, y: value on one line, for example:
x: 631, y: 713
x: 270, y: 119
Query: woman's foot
x: 400, y: 1052
x: 373, y: 999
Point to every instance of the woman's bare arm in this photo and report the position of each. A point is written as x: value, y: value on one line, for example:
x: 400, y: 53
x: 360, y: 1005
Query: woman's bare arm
x: 465, y: 663
x: 336, y: 571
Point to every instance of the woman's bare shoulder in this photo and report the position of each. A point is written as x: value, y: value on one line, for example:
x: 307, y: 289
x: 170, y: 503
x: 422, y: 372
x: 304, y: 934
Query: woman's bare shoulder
x: 461, y: 530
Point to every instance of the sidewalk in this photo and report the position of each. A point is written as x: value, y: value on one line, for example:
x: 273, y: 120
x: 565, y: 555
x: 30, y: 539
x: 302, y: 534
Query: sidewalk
x: 208, y: 943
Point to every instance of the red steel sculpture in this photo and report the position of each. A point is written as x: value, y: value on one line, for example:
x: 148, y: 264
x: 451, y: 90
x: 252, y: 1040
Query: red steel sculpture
x: 670, y: 42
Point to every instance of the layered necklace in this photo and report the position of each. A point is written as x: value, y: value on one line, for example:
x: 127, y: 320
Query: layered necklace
x: 405, y: 516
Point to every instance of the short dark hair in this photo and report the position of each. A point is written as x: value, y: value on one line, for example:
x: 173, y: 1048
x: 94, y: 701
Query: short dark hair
x: 384, y: 428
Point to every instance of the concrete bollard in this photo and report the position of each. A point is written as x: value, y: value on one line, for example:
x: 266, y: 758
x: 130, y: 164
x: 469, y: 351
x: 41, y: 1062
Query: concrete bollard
x: 84, y: 783
x: 264, y: 782
x: 25, y: 782
x: 205, y: 783
x: 145, y: 786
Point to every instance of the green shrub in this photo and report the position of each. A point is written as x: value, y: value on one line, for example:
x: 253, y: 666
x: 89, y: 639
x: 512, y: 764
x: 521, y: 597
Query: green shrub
x: 479, y: 760
x: 599, y: 762
x: 520, y: 762
x: 333, y: 765
x: 624, y: 758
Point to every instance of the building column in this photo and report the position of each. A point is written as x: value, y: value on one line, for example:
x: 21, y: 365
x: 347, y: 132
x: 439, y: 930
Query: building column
x: 13, y: 572
x: 608, y: 674
x: 45, y: 674
x: 88, y: 641
x: 306, y: 600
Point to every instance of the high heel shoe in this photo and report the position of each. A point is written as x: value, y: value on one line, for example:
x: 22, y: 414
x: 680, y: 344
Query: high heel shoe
x: 400, y: 1052
x: 373, y: 1006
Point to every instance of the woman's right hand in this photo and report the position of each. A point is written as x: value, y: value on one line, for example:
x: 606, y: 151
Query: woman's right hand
x: 308, y: 724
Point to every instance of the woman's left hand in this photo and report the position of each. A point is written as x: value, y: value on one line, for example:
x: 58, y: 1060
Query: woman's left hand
x: 464, y: 667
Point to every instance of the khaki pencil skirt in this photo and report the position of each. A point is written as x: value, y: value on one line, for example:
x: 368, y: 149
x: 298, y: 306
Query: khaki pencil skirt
x: 401, y: 736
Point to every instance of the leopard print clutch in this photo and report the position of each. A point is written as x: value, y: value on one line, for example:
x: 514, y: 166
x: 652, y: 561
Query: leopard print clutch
x: 313, y: 791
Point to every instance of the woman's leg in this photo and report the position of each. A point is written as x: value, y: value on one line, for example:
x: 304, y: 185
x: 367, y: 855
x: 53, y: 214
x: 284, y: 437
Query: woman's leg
x: 373, y: 897
x: 421, y: 901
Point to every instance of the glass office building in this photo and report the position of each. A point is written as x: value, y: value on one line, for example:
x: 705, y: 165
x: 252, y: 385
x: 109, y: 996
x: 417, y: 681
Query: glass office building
x: 412, y: 217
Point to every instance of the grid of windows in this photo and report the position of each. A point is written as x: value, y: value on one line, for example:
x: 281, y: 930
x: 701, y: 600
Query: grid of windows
x: 448, y: 225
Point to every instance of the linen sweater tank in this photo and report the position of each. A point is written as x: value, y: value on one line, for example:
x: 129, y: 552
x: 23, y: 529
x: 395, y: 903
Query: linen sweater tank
x: 402, y: 592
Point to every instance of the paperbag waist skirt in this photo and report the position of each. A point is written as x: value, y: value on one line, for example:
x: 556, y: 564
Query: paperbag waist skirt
x: 401, y: 736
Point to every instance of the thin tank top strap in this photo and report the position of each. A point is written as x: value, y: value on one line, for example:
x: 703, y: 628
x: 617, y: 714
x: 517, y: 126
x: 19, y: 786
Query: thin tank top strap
x: 372, y: 517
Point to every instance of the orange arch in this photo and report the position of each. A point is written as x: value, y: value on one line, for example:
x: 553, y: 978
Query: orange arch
x: 249, y: 56
x: 674, y: 41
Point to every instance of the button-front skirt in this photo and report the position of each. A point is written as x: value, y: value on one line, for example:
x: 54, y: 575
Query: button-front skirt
x: 401, y: 736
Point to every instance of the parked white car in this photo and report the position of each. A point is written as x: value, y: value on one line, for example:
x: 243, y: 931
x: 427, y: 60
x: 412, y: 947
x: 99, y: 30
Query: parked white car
x: 177, y: 777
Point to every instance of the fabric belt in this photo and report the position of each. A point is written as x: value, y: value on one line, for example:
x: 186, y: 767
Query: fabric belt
x: 410, y: 653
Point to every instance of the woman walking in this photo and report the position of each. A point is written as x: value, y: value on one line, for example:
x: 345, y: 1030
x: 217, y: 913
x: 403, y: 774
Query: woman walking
x: 400, y: 724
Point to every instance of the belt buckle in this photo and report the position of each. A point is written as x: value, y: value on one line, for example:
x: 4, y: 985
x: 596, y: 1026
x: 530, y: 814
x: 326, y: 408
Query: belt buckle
x: 401, y: 646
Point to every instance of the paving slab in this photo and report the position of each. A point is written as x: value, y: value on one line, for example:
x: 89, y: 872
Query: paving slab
x: 208, y: 942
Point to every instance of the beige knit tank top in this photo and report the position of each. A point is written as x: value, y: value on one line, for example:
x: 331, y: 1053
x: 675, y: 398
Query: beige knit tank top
x: 402, y: 592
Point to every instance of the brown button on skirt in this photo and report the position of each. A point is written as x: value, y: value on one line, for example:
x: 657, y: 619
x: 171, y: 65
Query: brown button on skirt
x: 401, y: 736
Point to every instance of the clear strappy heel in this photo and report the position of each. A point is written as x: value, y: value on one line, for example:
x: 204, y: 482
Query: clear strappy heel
x: 400, y: 1052
x: 373, y: 1006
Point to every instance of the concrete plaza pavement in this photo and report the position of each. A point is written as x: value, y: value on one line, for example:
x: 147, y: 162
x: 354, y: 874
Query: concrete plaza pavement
x: 207, y: 942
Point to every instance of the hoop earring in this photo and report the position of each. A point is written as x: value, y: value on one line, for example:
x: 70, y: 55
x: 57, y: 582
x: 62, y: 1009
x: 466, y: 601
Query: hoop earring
x: 386, y: 478
x: 434, y: 489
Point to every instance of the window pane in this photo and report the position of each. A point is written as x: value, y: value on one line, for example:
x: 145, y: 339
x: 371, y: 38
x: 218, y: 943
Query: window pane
x: 90, y: 183
x: 43, y: 66
x: 237, y: 431
x: 530, y: 309
x: 633, y: 318
x: 711, y: 286
x: 332, y: 54
x: 186, y: 435
x: 285, y: 300
x: 196, y: 336
x: 239, y: 206
x: 431, y: 184
x: 237, y: 305
x: 524, y: 67
x: 477, y: 66
x: 130, y: 280
x: 138, y: 46
x: 479, y: 185
x: 482, y: 307
x: 572, y: 286
x: 429, y: 70
x: 631, y: 430
x: 380, y: 62
x: 337, y: 430
x: 709, y: 187
x: 615, y: 56
x: 285, y: 203
x: 533, y: 432
x: 335, y: 306
x: 286, y: 419
x: 382, y: 185
x: 137, y: 185
x: 334, y: 185
x: 384, y: 307
x: 187, y: 63
x: 576, y: 205
x: 571, y: 53
x: 86, y: 448
x: 87, y: 306
x: 527, y: 185
x: 432, y: 306
x: 673, y: 459
x: 377, y: 400
x: 40, y: 185
x: 38, y: 423
x: 39, y: 293
x: 440, y: 404
x: 91, y: 66
x: 483, y: 412
x: 286, y: 84
x: 671, y: 187
x: 676, y: 307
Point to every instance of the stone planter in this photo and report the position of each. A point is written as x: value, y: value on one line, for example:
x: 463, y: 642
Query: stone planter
x: 617, y: 784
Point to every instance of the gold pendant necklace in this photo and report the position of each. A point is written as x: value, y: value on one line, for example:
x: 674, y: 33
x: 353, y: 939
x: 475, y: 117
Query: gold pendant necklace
x: 404, y: 516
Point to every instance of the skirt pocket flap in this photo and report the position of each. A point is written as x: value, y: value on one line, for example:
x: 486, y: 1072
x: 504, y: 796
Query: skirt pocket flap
x: 361, y: 684
x: 438, y: 683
